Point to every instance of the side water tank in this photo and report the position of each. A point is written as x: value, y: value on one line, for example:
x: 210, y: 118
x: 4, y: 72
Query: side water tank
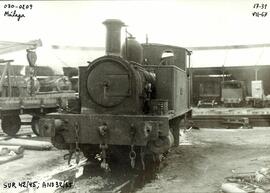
x: 132, y: 50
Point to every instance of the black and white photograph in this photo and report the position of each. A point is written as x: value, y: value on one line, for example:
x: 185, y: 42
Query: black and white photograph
x: 135, y: 96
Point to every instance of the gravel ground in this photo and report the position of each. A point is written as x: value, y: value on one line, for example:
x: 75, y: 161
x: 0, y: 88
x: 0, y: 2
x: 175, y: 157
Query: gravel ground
x: 200, y: 164
x: 212, y: 155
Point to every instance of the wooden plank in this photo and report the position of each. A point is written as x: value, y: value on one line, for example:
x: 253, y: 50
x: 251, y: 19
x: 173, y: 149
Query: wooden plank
x: 28, y: 144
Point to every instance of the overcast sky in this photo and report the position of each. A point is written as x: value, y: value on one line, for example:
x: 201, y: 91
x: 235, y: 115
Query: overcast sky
x: 183, y: 23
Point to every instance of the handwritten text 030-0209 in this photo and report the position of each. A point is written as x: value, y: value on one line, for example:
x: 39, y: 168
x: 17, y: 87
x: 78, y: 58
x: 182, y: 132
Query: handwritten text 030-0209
x: 17, y: 11
x: 21, y: 6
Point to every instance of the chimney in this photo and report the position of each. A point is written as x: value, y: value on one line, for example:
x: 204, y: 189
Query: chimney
x: 113, y: 38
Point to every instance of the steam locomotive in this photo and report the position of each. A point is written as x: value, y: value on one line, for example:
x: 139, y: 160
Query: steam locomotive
x: 131, y: 104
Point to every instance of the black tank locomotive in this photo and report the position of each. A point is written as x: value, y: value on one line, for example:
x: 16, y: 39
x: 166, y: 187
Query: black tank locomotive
x: 131, y: 104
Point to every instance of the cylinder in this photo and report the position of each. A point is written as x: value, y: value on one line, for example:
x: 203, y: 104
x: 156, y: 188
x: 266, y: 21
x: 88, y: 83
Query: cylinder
x: 113, y: 37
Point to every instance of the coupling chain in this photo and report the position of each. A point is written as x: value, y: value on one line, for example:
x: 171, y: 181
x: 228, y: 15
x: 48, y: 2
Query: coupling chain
x: 132, y: 153
x: 104, y: 164
x: 132, y: 156
x: 77, y: 148
x: 103, y: 146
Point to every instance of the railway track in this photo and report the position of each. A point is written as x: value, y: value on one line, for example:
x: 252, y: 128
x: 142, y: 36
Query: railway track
x: 217, y: 121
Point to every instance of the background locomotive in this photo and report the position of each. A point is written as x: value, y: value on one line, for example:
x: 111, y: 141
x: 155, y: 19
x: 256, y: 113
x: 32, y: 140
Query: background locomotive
x: 132, y: 102
x: 233, y: 93
x: 244, y: 86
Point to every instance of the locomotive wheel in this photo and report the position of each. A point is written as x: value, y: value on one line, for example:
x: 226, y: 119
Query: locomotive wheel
x: 176, y: 136
x: 35, y: 125
x: 120, y: 155
x: 11, y: 124
x: 152, y: 164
